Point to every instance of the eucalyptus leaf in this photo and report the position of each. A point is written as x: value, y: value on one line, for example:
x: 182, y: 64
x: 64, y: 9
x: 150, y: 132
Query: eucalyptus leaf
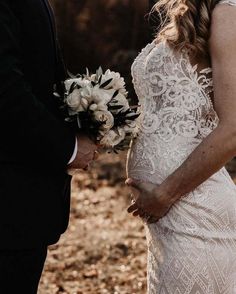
x: 87, y: 72
x: 100, y: 79
x: 56, y: 94
x: 115, y: 107
x: 133, y: 116
x: 77, y: 86
x: 72, y: 87
x: 115, y: 94
x: 105, y: 84
x: 71, y: 75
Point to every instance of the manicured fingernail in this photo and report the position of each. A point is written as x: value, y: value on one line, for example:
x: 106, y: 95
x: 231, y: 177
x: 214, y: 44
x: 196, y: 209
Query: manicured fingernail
x: 128, y: 181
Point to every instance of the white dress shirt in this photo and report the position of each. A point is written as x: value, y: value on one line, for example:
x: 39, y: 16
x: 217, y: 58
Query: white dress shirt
x: 74, y: 153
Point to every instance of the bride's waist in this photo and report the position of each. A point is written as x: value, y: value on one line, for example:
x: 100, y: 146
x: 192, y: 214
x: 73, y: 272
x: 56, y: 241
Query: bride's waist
x: 153, y: 161
x: 149, y: 155
x: 156, y: 143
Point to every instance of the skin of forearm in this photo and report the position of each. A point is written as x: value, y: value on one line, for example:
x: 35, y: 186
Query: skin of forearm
x: 210, y: 156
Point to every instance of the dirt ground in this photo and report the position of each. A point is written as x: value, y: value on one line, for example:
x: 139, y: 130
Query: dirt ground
x: 103, y: 250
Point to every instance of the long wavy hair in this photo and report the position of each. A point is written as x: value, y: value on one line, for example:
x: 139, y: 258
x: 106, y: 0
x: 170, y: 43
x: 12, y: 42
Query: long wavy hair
x: 186, y: 24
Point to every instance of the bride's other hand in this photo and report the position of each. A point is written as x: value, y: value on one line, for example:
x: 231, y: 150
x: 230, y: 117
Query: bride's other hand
x: 150, y: 200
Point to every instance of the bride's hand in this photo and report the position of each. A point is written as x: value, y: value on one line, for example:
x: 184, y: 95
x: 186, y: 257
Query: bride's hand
x: 150, y: 201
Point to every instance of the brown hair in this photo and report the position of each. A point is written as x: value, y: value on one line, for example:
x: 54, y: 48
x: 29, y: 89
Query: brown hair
x: 186, y: 24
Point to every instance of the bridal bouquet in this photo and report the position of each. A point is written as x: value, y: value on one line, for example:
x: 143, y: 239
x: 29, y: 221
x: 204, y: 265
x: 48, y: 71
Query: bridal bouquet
x: 99, y: 106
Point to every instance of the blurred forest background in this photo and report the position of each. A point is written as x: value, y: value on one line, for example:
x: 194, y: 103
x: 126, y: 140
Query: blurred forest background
x: 104, y: 248
x: 109, y: 33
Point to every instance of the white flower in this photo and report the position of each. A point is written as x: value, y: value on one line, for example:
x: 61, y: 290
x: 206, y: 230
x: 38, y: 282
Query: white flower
x: 84, y: 103
x: 113, y: 138
x: 121, y: 100
x: 102, y: 107
x: 79, y: 81
x: 98, y: 107
x: 117, y: 82
x: 86, y: 92
x: 106, y: 117
x: 131, y: 123
x: 130, y: 126
x: 76, y: 102
x: 93, y: 77
x: 131, y: 130
x: 74, y: 99
x: 93, y: 107
x: 102, y: 96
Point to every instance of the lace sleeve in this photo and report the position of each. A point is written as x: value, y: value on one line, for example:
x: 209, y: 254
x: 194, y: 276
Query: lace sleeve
x: 229, y: 2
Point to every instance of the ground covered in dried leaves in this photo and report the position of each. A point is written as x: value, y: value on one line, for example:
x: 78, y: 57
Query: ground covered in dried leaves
x: 103, y: 250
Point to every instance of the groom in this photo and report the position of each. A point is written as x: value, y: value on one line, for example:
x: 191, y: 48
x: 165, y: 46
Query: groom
x: 35, y: 146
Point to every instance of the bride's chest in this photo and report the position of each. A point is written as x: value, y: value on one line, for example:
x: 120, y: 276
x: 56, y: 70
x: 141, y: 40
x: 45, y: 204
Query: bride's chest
x: 164, y: 77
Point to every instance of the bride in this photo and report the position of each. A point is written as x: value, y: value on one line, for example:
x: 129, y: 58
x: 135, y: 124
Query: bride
x: 186, y: 84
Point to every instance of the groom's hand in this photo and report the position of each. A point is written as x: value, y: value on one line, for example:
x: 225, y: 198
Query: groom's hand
x: 86, y: 153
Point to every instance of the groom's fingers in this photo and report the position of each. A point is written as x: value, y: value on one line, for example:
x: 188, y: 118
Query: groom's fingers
x: 131, y: 182
x: 95, y: 155
x: 128, y: 181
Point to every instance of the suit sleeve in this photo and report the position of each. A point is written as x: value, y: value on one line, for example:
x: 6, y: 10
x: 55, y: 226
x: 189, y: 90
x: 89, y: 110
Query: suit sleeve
x: 27, y: 129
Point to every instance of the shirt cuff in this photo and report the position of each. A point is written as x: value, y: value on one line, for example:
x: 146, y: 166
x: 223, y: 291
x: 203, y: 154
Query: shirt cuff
x: 74, y: 153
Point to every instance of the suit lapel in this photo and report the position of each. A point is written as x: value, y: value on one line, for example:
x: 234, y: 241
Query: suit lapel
x: 52, y: 22
x: 60, y: 66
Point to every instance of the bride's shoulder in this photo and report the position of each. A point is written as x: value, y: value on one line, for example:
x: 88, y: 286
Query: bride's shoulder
x: 223, y: 16
x: 229, y: 2
x: 223, y: 27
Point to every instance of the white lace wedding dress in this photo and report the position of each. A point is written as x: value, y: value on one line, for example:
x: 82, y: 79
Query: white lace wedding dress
x: 193, y: 248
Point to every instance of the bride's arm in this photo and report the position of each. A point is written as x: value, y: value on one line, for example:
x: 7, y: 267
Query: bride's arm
x: 220, y: 146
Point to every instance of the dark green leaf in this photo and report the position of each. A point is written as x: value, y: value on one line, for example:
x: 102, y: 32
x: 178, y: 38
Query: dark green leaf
x: 115, y: 107
x: 100, y: 79
x: 115, y: 94
x: 71, y: 75
x: 132, y: 117
x: 106, y: 83
x: 72, y: 87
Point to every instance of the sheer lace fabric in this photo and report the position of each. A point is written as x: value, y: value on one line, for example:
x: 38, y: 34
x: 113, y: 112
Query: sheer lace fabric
x: 175, y: 107
x: 193, y: 248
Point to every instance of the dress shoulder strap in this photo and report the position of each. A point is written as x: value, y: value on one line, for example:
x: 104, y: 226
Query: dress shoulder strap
x: 229, y: 2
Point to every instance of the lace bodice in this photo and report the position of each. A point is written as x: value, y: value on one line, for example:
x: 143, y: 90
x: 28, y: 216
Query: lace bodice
x: 177, y: 112
x: 173, y: 95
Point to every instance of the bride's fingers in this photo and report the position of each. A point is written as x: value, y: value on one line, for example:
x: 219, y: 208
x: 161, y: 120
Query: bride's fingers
x: 142, y: 214
x: 132, y: 208
x: 137, y: 213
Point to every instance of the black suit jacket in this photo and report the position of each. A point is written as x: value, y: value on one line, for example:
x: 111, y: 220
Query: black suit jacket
x: 35, y: 143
